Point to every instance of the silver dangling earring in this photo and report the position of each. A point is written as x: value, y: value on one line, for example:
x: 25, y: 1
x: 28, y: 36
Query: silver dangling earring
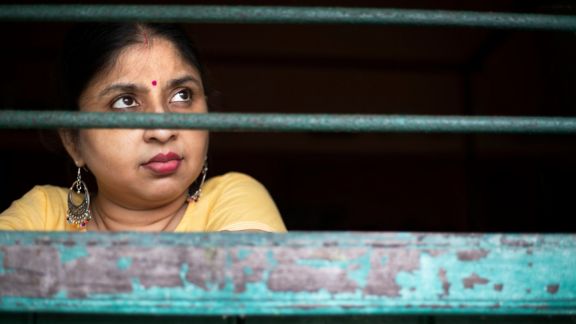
x: 196, y: 195
x: 80, y: 214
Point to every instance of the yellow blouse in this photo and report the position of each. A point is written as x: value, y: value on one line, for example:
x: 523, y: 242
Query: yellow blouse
x: 231, y: 202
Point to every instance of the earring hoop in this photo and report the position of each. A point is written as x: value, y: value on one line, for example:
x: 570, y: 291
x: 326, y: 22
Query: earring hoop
x: 78, y: 214
x: 196, y: 195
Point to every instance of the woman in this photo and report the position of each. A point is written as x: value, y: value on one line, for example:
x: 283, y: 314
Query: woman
x: 147, y: 179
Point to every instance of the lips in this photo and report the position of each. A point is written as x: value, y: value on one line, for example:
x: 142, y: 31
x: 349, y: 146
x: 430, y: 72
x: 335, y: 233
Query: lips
x: 164, y: 164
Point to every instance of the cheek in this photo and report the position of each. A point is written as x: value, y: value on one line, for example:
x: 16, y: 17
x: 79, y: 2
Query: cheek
x: 196, y: 142
x: 105, y: 148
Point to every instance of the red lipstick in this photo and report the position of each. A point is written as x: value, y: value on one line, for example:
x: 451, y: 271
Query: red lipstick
x: 164, y: 164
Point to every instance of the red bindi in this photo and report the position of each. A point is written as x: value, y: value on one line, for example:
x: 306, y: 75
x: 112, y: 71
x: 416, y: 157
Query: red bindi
x: 154, y: 83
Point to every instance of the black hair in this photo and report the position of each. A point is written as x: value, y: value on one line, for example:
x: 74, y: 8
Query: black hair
x: 90, y: 48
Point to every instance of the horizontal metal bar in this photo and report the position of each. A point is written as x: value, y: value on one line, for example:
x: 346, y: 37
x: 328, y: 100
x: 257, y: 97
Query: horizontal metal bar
x: 287, y: 274
x: 234, y: 122
x: 285, y: 15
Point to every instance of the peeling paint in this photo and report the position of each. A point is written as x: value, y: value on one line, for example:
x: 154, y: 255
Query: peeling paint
x: 256, y: 261
x: 124, y: 263
x: 388, y: 245
x: 385, y: 265
x: 243, y: 254
x: 434, y: 253
x: 445, y: 283
x: 92, y: 243
x: 472, y: 280
x: 552, y: 288
x: 293, y: 273
x: 2, y: 271
x: 472, y: 255
x: 43, y: 241
x: 69, y: 243
x: 70, y: 252
x: 330, y: 244
x: 436, y: 306
x: 205, y: 267
x: 101, y: 272
x: 515, y: 242
x: 296, y: 278
x: 35, y: 273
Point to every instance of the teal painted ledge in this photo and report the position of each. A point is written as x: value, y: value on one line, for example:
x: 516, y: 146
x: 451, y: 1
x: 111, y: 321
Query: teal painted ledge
x: 330, y: 273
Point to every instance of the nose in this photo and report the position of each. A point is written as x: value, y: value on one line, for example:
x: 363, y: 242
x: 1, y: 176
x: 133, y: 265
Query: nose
x: 160, y: 135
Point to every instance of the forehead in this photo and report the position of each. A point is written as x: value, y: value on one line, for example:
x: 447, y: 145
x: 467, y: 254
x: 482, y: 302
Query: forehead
x: 158, y: 57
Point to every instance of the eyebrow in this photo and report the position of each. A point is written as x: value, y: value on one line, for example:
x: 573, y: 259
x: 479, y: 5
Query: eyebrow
x: 121, y: 87
x: 132, y: 88
x: 180, y: 81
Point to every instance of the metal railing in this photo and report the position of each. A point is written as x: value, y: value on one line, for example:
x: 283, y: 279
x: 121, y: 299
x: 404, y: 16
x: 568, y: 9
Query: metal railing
x: 290, y: 122
x: 285, y: 15
x: 291, y: 15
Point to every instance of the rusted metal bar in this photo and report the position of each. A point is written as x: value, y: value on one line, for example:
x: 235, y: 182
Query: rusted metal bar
x: 286, y: 15
x: 295, y: 273
x: 290, y: 122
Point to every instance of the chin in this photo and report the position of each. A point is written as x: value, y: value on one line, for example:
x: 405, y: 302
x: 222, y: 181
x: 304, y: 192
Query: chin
x: 163, y: 193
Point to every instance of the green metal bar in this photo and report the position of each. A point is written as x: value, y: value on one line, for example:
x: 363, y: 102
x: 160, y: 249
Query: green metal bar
x: 285, y: 15
x: 289, y: 122
x: 287, y: 274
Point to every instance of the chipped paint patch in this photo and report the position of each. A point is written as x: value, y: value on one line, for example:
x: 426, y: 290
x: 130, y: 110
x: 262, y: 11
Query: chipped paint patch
x: 2, y: 270
x: 248, y: 271
x: 297, y: 278
x: 385, y: 265
x: 471, y: 255
x: 552, y: 288
x: 472, y: 280
x: 124, y: 263
x: 242, y: 254
x: 515, y: 242
x: 433, y: 253
x: 445, y: 283
x: 70, y: 252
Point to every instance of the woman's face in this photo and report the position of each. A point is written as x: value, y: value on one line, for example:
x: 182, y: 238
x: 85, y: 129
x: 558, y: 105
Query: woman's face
x: 143, y: 168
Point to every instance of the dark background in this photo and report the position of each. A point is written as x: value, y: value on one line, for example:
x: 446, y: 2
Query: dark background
x: 377, y: 182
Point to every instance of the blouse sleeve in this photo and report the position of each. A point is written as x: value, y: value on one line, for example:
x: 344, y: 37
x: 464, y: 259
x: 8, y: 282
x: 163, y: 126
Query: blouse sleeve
x: 26, y: 213
x: 243, y: 204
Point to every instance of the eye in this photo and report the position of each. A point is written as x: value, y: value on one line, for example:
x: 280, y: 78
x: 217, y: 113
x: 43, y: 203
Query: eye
x: 180, y: 96
x: 124, y: 102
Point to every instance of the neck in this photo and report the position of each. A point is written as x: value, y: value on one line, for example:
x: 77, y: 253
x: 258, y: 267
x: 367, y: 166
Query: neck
x: 110, y: 216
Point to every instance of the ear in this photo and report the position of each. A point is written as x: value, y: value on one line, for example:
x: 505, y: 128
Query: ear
x: 70, y: 142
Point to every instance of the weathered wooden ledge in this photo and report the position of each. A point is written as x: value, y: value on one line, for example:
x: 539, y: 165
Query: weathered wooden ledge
x: 291, y: 274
